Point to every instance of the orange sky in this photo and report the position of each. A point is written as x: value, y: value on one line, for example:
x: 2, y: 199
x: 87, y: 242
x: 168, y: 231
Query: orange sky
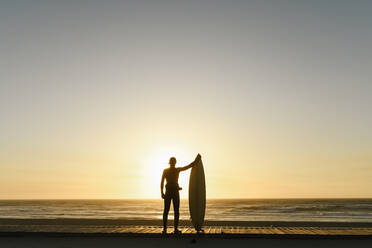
x: 94, y: 99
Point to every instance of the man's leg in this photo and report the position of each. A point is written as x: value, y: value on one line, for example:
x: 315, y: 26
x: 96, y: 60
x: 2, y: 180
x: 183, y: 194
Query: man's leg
x: 176, y: 208
x: 167, y: 202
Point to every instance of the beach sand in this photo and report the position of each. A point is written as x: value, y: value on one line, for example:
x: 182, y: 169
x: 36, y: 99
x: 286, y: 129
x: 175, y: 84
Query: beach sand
x: 109, y: 233
x: 113, y: 242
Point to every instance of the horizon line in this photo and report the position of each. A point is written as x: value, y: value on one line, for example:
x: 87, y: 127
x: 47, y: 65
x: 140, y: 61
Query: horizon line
x: 215, y: 198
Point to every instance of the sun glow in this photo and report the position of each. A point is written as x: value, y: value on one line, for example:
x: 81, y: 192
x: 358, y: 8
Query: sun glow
x: 157, y: 161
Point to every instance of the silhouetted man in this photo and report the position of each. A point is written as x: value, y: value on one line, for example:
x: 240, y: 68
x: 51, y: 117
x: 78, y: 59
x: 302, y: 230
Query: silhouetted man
x: 172, y: 191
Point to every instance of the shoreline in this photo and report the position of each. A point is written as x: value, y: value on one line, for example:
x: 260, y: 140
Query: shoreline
x: 158, y: 222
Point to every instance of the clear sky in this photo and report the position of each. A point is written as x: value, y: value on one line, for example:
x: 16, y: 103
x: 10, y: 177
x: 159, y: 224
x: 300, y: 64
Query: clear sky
x: 95, y: 96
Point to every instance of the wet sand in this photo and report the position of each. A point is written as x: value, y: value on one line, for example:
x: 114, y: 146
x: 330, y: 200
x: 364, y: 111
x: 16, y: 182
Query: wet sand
x: 158, y: 222
x: 153, y: 228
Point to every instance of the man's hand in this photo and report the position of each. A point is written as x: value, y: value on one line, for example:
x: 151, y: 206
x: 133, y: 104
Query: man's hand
x: 162, y: 195
x: 198, y: 157
x: 196, y: 161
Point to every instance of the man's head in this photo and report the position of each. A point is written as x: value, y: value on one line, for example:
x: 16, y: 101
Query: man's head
x: 172, y: 162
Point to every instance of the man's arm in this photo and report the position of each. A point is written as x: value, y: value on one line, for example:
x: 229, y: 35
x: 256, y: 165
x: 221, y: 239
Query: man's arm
x: 192, y: 164
x: 187, y: 166
x: 162, y: 185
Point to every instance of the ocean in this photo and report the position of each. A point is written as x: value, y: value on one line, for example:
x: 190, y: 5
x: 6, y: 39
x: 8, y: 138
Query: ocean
x: 335, y: 210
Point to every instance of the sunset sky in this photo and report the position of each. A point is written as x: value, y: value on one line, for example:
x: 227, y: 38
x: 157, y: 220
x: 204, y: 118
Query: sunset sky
x: 95, y: 96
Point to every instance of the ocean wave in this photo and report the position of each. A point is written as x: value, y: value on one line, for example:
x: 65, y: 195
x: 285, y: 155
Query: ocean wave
x: 312, y: 208
x: 243, y: 210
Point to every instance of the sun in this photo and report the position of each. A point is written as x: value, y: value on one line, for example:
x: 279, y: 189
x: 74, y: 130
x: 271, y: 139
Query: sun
x: 158, y: 160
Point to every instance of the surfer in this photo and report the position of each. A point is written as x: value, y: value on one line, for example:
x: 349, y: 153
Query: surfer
x: 172, y: 191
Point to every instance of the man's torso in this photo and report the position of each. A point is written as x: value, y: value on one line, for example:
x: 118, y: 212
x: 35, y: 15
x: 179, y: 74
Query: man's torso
x: 171, y: 176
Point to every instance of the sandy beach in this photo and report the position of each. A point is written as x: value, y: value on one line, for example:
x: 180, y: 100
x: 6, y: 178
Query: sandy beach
x: 113, y: 242
x: 146, y: 233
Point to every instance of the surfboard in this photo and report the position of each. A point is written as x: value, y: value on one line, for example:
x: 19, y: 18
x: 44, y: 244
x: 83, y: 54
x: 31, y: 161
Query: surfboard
x: 197, y: 196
